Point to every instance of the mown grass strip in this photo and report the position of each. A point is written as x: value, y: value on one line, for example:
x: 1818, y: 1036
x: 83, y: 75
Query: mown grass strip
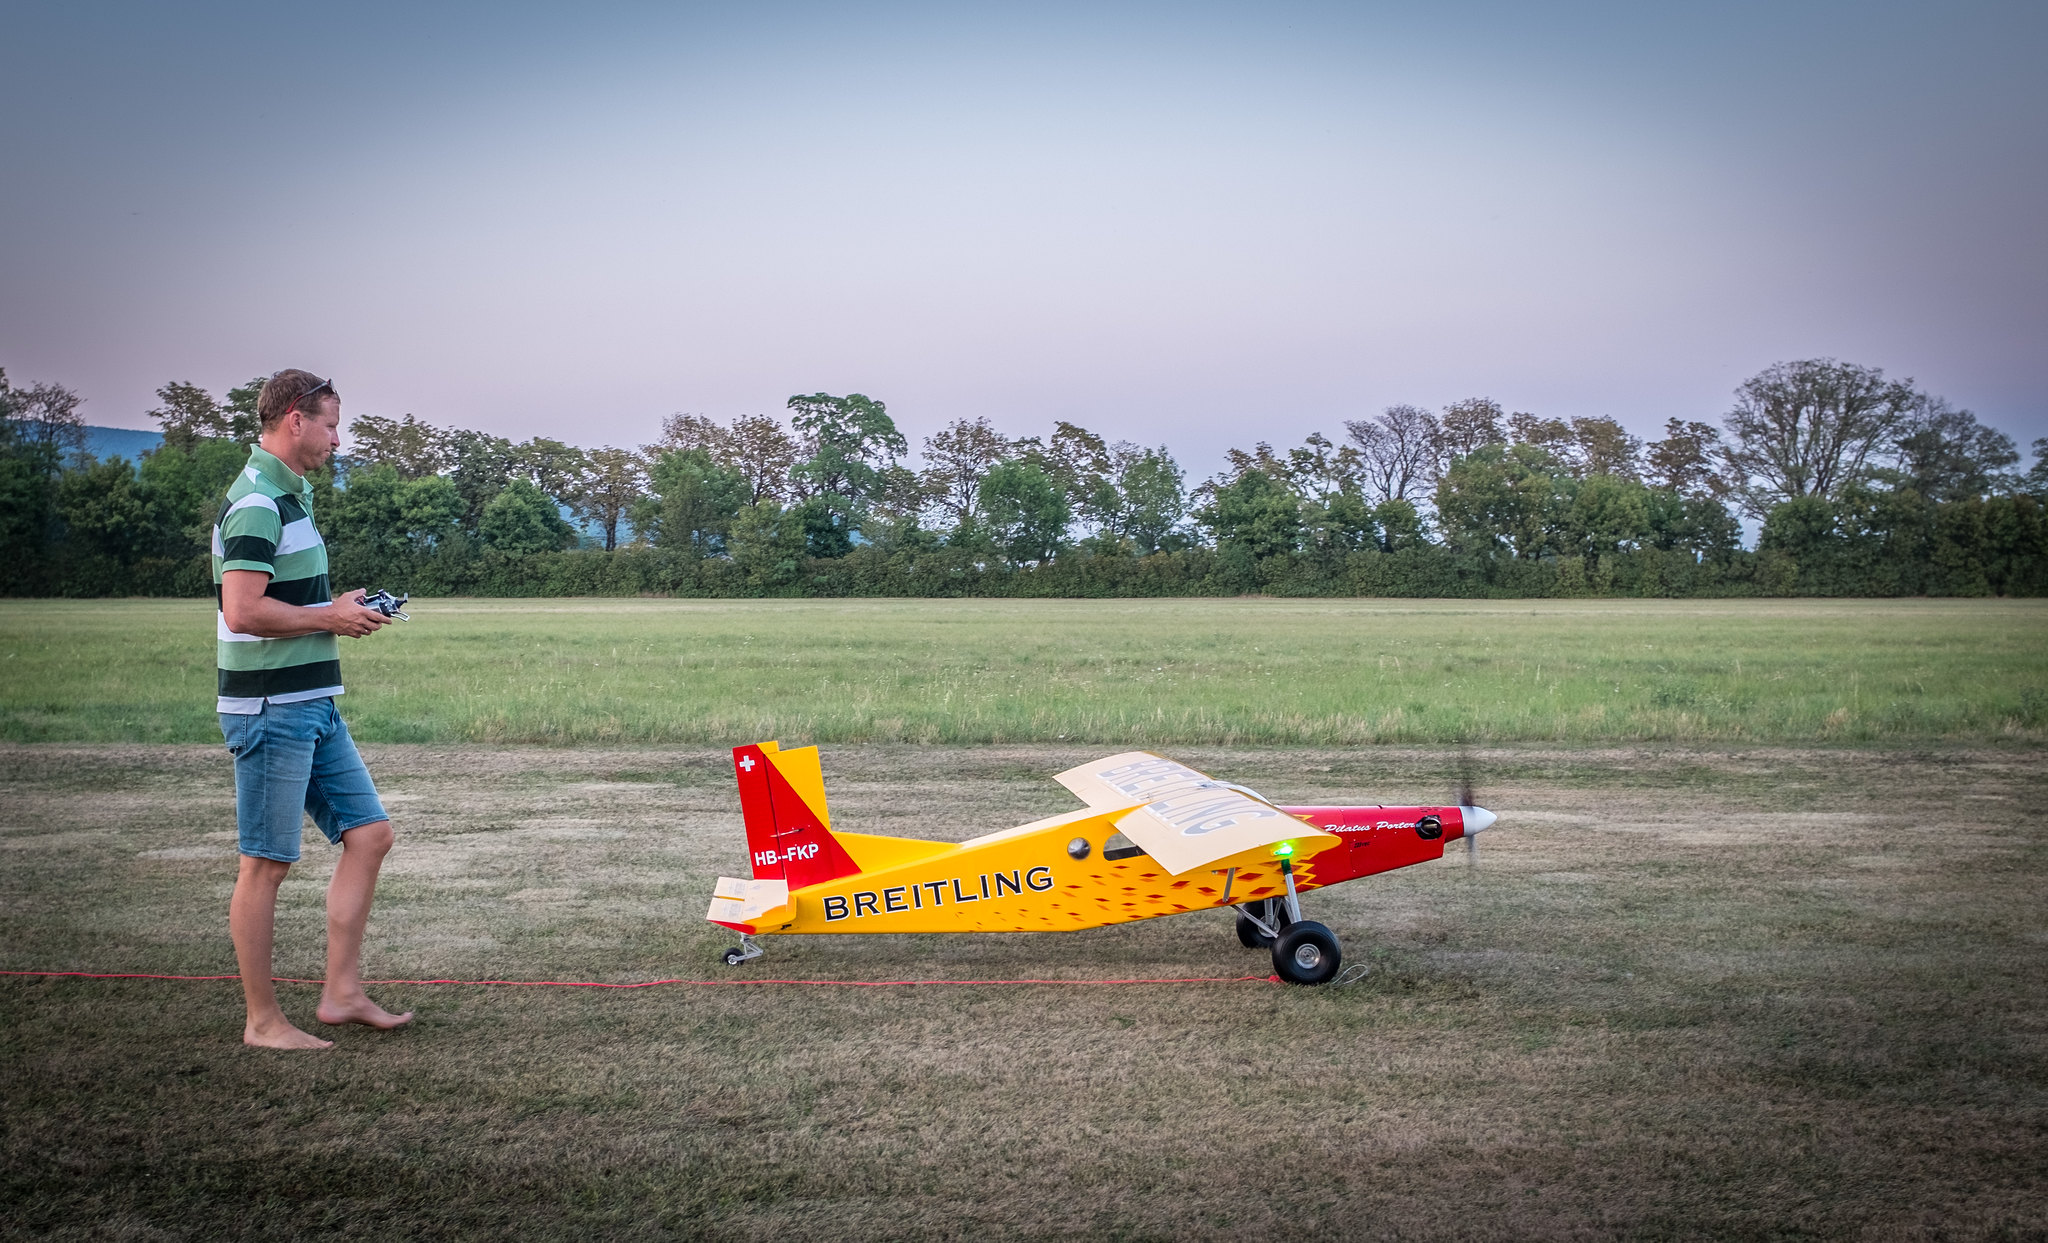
x: 1147, y: 672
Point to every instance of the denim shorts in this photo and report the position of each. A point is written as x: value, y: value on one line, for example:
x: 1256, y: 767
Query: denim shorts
x: 291, y: 761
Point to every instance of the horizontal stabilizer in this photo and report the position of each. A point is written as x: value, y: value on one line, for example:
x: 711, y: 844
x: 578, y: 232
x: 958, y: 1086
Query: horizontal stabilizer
x: 1188, y: 820
x: 748, y: 902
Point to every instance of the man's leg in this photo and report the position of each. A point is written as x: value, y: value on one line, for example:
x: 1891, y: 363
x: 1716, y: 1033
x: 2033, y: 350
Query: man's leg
x: 349, y: 894
x: 252, y: 918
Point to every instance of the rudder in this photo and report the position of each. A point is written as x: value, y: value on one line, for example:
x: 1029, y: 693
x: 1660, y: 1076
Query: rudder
x: 789, y: 830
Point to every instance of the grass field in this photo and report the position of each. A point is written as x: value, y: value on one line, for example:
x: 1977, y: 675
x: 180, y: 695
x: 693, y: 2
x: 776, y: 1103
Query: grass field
x: 1116, y: 673
x: 1755, y: 951
x: 1708, y: 992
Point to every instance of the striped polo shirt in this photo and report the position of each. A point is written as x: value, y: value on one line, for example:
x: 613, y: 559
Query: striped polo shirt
x: 266, y: 524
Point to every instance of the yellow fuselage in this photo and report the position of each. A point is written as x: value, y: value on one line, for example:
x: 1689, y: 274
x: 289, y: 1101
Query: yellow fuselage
x: 1023, y: 880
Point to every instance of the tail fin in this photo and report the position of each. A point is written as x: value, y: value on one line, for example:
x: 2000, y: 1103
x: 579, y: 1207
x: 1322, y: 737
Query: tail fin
x: 789, y: 833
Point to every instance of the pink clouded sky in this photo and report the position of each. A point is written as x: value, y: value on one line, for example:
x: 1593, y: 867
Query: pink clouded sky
x: 1197, y: 225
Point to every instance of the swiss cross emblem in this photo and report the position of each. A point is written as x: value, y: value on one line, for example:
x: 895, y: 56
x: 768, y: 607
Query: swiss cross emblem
x: 747, y: 763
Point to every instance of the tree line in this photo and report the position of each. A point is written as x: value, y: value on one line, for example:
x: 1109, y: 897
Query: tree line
x: 1863, y: 485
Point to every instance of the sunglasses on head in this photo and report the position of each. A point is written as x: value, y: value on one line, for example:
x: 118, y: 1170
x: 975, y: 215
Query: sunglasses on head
x: 324, y: 384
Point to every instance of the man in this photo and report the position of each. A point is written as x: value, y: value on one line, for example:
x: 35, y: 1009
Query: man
x: 279, y: 673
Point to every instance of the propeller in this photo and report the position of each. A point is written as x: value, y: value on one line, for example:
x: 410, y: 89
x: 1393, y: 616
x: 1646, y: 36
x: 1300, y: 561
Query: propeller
x: 1475, y: 817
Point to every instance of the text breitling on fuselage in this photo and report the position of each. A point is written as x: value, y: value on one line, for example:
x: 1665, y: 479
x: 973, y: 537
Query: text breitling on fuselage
x: 896, y: 898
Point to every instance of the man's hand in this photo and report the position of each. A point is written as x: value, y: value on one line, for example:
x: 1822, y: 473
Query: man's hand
x: 350, y: 618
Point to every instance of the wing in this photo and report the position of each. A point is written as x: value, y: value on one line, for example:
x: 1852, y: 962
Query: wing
x: 1188, y: 819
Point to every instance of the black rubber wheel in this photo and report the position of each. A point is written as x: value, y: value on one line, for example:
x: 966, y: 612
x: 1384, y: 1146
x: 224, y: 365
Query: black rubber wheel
x: 1273, y: 911
x: 734, y: 958
x: 1248, y: 934
x: 1307, y: 953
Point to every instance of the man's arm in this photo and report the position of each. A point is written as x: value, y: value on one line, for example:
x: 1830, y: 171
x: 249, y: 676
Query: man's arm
x: 248, y: 611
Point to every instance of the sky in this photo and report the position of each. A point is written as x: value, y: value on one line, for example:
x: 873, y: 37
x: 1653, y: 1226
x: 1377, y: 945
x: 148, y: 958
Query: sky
x: 1202, y: 225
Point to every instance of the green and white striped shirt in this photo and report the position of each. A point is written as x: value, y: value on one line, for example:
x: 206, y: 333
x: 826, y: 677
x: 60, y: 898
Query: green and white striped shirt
x: 266, y: 524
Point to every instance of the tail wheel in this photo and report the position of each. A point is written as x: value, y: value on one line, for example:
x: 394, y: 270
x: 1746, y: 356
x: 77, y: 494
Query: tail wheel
x: 1307, y: 953
x: 733, y: 957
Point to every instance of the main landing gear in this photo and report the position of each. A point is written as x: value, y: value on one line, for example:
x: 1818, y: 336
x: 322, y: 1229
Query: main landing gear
x: 1304, y: 951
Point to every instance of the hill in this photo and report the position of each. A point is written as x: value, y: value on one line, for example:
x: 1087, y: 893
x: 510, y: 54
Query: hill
x: 127, y: 442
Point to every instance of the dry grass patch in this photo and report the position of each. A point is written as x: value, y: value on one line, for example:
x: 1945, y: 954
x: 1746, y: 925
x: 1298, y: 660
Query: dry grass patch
x: 1708, y: 993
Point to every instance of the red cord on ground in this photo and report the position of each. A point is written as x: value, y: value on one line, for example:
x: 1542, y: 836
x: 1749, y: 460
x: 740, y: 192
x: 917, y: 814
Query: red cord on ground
x: 139, y: 975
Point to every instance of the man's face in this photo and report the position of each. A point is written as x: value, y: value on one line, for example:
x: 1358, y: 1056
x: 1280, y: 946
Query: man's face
x: 314, y: 437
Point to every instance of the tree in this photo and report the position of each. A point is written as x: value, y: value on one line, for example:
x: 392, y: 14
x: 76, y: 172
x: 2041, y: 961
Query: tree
x: 1684, y: 461
x: 764, y: 454
x: 1945, y: 454
x: 847, y: 443
x: 189, y: 414
x: 682, y: 433
x: 1800, y: 528
x: 553, y: 467
x: 1397, y: 451
x: 2035, y: 481
x: 522, y: 519
x: 103, y: 511
x: 1606, y: 514
x: 1255, y: 513
x: 430, y: 510
x: 1553, y: 436
x: 45, y: 414
x: 381, y: 523
x: 480, y: 467
x: 1601, y: 446
x: 696, y: 502
x: 1583, y: 446
x: 1261, y: 459
x: 1339, y: 523
x: 1808, y: 428
x: 897, y: 509
x: 1080, y: 464
x: 1151, y: 499
x: 1468, y: 426
x: 245, y: 423
x: 613, y: 481
x: 768, y: 546
x: 1508, y: 497
x: 192, y: 481
x: 365, y: 523
x: 1700, y: 525
x: 1320, y: 469
x: 1399, y: 524
x: 827, y: 522
x: 407, y: 445
x: 28, y: 507
x: 957, y: 458
x: 1024, y: 511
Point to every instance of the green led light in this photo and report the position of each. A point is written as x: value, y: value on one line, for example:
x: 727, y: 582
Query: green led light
x: 1285, y: 848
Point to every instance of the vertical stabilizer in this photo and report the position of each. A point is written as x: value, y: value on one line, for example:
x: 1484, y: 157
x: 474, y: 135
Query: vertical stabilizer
x: 789, y: 832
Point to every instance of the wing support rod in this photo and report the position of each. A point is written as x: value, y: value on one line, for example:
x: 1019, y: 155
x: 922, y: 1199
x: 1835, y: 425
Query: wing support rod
x: 1293, y: 898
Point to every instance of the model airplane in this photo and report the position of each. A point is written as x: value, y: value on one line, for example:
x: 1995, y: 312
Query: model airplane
x: 1156, y: 838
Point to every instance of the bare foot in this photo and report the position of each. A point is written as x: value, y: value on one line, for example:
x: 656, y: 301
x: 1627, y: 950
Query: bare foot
x: 360, y: 1010
x: 282, y: 1035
